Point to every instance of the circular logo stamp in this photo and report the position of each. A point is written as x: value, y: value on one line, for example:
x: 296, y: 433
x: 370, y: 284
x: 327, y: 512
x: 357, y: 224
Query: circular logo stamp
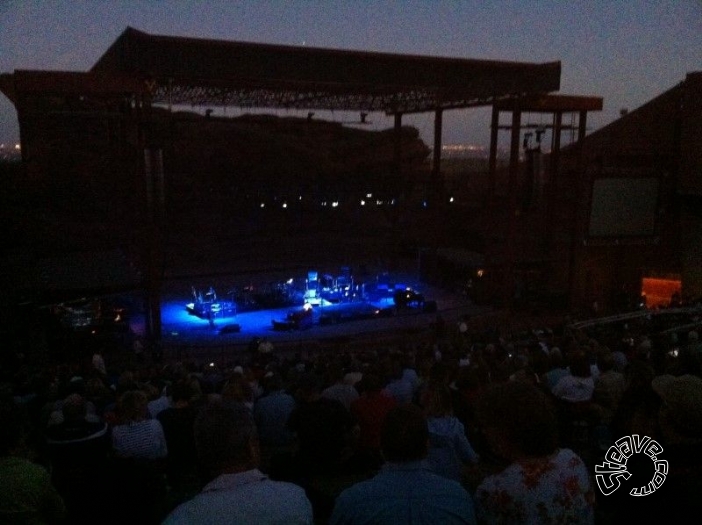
x: 609, y: 475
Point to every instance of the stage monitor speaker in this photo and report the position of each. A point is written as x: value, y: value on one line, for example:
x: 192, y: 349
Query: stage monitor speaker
x: 230, y: 328
x: 429, y: 307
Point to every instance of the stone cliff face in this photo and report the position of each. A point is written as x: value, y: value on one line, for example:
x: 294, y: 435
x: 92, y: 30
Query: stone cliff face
x: 262, y: 157
x: 83, y: 185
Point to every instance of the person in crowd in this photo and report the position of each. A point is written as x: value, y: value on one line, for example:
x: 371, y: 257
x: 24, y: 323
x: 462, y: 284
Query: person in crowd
x: 265, y: 347
x: 409, y: 367
x: 678, y: 436
x: 534, y: 365
x: 98, y: 363
x: 237, y: 492
x: 137, y: 436
x: 542, y: 482
x: 465, y: 389
x: 693, y: 342
x: 271, y: 413
x: 75, y: 386
x: 238, y: 389
x: 449, y: 448
x: 139, y: 452
x: 323, y: 428
x: 354, y: 373
x: 338, y: 389
x: 637, y: 411
x: 78, y: 450
x: 609, y: 385
x: 405, y: 490
x: 690, y: 355
x: 578, y: 385
x: 98, y: 394
x: 435, y: 373
x: 27, y: 494
x: 369, y: 412
x: 399, y: 387
x: 557, y: 368
x: 177, y: 422
x: 158, y: 401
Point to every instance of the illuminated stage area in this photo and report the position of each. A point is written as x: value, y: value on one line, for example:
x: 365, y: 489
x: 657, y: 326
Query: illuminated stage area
x: 310, y: 307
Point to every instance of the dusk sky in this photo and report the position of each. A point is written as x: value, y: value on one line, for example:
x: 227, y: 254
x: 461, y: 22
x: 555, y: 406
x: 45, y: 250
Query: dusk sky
x: 627, y: 52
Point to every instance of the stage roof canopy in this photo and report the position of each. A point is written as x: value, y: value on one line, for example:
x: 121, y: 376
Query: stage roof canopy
x: 192, y: 71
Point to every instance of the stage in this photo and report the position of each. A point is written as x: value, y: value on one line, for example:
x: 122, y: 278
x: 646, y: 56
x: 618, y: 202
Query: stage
x: 374, y: 311
x: 218, y: 316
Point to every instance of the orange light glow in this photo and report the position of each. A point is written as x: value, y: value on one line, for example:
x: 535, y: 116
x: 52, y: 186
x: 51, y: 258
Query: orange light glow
x: 658, y: 292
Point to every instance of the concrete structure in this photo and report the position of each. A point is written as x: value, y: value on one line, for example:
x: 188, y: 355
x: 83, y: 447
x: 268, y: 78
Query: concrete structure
x: 590, y: 224
x: 112, y: 107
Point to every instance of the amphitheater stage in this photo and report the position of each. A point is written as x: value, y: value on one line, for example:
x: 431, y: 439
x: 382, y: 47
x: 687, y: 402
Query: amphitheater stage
x: 183, y: 327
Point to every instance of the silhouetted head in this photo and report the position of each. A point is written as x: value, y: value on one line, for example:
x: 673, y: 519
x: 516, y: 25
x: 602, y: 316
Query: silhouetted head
x: 132, y: 406
x: 226, y: 439
x: 518, y: 420
x: 404, y: 434
x: 74, y: 408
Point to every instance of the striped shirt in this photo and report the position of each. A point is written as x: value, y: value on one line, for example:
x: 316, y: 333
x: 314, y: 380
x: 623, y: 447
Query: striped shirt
x: 141, y: 439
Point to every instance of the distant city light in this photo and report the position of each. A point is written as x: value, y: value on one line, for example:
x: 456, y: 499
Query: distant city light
x: 285, y: 205
x: 335, y: 204
x: 263, y: 205
x: 463, y: 150
x: 9, y: 151
x: 363, y: 203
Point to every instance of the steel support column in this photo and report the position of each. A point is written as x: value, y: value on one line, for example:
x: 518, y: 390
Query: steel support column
x: 492, y: 165
x: 436, y: 178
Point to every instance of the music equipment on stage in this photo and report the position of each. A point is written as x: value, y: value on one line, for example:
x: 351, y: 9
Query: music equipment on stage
x: 230, y: 328
x: 208, y: 307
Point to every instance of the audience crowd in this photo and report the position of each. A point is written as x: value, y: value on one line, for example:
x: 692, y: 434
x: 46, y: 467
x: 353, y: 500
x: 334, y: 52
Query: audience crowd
x: 466, y: 427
